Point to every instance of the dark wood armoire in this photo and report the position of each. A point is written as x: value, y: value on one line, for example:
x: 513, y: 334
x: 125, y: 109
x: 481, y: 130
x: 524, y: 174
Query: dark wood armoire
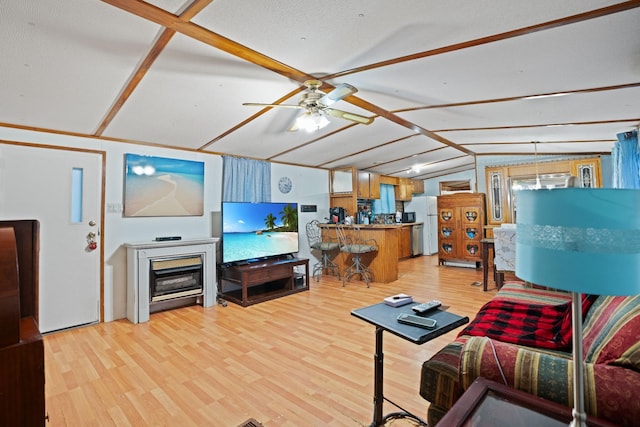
x: 22, y: 400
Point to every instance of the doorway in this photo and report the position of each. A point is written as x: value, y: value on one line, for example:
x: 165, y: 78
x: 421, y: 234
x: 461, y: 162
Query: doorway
x: 452, y: 187
x: 46, y: 183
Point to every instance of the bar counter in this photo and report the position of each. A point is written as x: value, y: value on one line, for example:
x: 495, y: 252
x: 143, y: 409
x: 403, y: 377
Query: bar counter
x: 384, y: 262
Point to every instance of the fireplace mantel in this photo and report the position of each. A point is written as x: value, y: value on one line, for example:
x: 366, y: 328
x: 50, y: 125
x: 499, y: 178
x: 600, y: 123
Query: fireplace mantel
x: 140, y: 254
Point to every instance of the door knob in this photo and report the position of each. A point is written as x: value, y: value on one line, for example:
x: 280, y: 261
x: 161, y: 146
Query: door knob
x: 92, y: 245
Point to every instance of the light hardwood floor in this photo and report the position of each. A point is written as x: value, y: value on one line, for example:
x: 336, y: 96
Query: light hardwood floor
x: 300, y: 360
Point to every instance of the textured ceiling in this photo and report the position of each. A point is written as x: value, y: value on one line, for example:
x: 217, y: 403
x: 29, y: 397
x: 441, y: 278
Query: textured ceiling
x: 445, y: 80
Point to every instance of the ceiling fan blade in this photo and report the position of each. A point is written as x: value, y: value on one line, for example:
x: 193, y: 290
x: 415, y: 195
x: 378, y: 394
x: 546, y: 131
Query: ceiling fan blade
x: 340, y: 92
x: 255, y: 104
x: 349, y: 116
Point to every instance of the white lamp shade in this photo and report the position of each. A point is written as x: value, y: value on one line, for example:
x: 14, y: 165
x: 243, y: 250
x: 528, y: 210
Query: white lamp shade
x: 584, y: 240
x: 311, y: 121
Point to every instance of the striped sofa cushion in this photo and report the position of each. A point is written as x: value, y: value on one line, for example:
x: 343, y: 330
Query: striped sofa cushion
x: 522, y: 293
x: 610, y: 391
x: 612, y: 332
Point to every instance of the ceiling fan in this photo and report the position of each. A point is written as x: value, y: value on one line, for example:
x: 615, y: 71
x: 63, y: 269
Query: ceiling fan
x: 317, y: 104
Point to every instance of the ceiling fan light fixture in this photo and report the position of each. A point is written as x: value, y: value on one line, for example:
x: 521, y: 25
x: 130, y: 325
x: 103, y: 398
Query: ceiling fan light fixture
x: 315, y: 104
x: 311, y: 121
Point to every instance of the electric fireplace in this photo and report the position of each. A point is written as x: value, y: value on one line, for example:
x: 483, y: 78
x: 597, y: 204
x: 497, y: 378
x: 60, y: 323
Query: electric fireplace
x: 175, y: 277
x: 163, y: 275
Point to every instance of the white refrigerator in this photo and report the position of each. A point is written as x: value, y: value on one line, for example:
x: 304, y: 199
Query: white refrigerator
x: 426, y: 209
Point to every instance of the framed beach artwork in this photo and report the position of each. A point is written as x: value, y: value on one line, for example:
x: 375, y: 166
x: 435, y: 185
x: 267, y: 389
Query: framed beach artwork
x: 158, y: 186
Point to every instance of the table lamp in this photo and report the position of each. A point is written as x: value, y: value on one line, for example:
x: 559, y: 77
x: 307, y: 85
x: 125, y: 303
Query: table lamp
x: 582, y: 240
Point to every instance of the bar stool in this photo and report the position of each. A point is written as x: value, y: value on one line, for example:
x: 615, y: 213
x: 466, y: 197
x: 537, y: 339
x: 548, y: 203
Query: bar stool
x: 352, y: 243
x: 314, y: 237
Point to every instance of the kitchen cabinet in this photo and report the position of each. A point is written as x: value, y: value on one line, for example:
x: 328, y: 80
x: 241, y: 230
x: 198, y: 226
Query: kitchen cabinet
x: 404, y: 241
x: 368, y: 185
x: 383, y: 262
x: 461, y: 221
x: 342, y: 181
x: 343, y: 190
x: 403, y: 190
x: 417, y: 186
x: 346, y: 201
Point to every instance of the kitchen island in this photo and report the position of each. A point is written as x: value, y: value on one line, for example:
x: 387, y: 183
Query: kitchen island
x: 390, y: 239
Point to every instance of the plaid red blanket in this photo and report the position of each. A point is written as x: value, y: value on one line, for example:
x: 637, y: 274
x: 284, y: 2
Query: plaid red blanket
x: 533, y: 325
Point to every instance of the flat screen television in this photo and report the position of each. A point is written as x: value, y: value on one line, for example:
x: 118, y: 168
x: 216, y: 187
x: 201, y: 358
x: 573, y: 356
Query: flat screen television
x: 255, y: 231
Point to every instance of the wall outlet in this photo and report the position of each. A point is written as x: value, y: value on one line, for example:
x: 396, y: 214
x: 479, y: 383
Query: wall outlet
x: 114, y: 208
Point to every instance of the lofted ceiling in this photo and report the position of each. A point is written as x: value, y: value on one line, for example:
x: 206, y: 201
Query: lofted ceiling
x: 445, y: 80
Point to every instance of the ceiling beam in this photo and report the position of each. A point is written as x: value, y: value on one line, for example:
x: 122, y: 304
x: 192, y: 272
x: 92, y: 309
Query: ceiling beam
x: 542, y: 125
x: 518, y: 98
x: 573, y: 19
x: 173, y: 22
x: 161, y: 42
x: 168, y: 20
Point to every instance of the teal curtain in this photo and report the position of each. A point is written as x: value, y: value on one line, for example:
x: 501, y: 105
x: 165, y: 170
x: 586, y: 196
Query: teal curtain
x: 386, y: 204
x: 245, y: 180
x: 625, y: 158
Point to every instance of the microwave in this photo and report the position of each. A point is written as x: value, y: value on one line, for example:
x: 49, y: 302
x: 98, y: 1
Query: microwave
x: 408, y: 217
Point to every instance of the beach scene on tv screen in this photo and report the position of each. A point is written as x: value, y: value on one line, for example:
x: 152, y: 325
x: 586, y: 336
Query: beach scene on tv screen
x: 258, y: 230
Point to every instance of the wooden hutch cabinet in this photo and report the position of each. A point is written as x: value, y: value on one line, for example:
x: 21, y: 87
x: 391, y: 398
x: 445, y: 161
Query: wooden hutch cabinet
x: 461, y: 220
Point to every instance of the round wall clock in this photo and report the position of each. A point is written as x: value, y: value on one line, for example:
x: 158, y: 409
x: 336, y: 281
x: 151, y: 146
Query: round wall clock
x: 285, y: 184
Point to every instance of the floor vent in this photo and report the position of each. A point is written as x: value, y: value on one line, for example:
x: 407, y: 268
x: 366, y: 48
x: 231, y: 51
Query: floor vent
x: 251, y: 423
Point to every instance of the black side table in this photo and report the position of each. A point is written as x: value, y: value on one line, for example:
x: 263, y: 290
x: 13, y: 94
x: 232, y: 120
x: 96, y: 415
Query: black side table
x: 383, y: 317
x: 490, y: 404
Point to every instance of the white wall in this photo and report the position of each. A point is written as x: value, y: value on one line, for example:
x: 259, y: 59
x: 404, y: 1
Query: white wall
x: 310, y: 186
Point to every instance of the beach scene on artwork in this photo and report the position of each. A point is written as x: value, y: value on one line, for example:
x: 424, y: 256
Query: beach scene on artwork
x: 158, y: 186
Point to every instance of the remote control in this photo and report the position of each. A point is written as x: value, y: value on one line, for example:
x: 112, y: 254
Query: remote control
x: 413, y: 320
x: 427, y: 306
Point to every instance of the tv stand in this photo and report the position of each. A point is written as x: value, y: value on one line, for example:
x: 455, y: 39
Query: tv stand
x: 259, y: 281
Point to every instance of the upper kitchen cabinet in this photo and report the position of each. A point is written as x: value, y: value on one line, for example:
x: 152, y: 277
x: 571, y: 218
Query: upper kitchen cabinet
x: 343, y: 189
x: 417, y: 186
x: 368, y: 185
x: 403, y: 190
x: 343, y: 180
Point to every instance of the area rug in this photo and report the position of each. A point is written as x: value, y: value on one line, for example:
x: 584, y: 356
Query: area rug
x: 251, y: 423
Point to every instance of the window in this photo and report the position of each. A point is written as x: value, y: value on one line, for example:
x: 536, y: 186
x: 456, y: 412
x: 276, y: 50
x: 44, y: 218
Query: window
x: 76, y: 195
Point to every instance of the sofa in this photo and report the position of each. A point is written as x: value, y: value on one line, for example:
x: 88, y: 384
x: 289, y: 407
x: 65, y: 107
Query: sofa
x: 539, y: 362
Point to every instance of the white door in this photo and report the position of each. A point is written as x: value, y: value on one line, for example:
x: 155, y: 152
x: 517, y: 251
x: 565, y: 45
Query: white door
x: 36, y: 183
